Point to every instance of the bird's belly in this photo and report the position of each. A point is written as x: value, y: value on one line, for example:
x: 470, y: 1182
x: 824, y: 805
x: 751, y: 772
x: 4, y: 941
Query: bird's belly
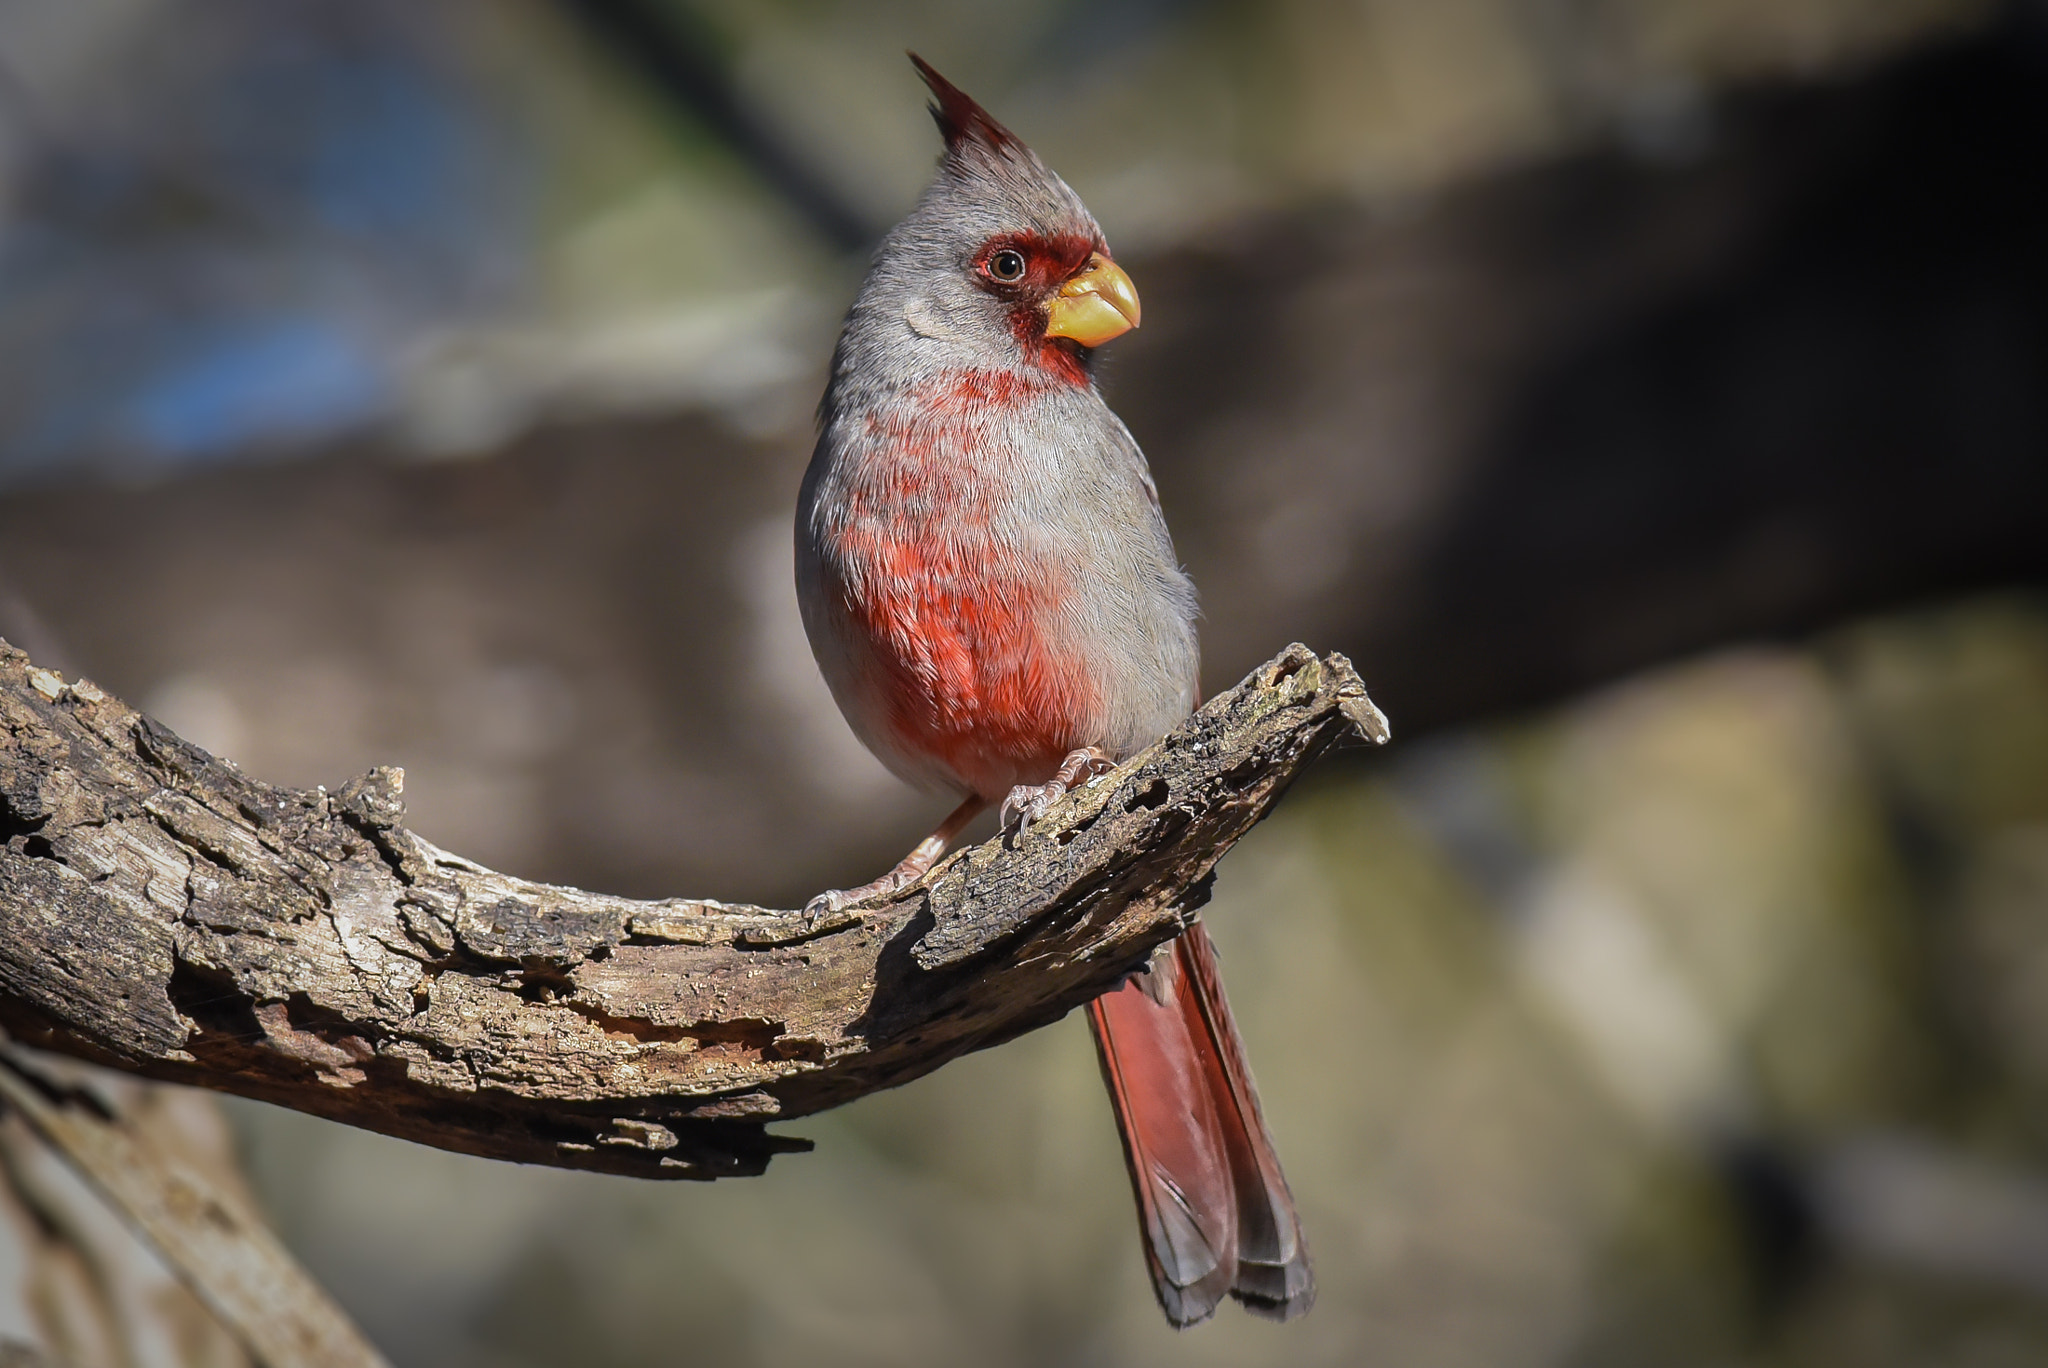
x: 958, y: 671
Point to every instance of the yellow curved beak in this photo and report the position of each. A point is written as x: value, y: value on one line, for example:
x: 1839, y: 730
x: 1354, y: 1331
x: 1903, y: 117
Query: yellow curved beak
x: 1096, y: 305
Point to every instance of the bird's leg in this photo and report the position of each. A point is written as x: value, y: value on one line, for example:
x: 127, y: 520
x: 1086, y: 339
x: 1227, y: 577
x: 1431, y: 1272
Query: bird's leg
x: 1028, y: 802
x: 908, y: 870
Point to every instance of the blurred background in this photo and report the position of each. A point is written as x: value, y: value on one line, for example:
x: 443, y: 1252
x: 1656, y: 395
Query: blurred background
x: 1651, y: 396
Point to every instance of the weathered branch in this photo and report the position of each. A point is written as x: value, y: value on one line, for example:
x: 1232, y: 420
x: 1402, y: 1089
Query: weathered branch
x: 165, y: 914
x: 217, y: 1247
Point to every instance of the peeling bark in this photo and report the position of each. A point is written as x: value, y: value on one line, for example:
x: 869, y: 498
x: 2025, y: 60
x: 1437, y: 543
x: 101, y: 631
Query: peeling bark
x: 162, y: 913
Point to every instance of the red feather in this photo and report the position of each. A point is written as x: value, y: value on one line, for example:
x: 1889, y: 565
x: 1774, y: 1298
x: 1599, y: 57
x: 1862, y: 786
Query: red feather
x: 966, y: 667
x: 989, y: 587
x: 1215, y: 1212
x: 960, y: 119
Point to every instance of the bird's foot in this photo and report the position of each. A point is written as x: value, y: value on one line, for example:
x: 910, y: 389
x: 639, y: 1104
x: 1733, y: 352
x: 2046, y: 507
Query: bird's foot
x: 908, y: 870
x: 1028, y: 802
x: 838, y: 899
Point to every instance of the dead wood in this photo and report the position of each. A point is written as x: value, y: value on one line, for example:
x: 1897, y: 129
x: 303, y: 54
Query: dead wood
x: 164, y: 914
x: 204, y: 1230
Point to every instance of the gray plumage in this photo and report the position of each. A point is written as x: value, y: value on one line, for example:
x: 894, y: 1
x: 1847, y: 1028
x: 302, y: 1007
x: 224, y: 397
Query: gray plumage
x: 1040, y: 485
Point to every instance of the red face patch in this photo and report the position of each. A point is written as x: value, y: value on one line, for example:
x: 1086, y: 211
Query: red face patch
x: 1025, y: 270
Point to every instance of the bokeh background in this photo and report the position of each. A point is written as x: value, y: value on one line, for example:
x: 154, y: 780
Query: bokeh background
x: 1650, y: 395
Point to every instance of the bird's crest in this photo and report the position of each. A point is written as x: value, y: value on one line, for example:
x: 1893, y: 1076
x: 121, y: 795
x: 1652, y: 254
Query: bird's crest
x: 963, y: 123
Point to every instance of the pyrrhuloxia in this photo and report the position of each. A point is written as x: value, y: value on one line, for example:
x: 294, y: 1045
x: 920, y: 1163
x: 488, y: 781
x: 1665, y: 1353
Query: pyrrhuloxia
x: 992, y: 595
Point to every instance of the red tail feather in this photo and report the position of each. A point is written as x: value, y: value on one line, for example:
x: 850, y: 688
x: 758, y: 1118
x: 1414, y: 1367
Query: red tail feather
x: 1216, y: 1214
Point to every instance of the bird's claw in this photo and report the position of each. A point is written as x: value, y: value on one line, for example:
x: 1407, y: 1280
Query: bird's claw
x: 835, y: 900
x: 1027, y: 803
x: 825, y: 904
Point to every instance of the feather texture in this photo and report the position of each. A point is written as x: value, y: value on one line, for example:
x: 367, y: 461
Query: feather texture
x: 988, y: 585
x: 1213, y: 1207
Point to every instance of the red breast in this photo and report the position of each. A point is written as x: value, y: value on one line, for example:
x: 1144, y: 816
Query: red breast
x: 967, y: 667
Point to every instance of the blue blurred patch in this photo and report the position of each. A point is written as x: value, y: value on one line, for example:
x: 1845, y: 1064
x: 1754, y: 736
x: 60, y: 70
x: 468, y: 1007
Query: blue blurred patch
x: 261, y: 383
x: 222, y: 263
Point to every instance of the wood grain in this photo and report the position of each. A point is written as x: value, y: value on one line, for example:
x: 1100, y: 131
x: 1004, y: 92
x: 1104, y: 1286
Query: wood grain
x: 162, y: 913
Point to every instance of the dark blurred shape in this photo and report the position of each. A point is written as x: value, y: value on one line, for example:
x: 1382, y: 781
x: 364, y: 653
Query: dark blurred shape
x: 671, y: 48
x: 1850, y: 411
x: 1783, y: 1242
x: 1569, y: 422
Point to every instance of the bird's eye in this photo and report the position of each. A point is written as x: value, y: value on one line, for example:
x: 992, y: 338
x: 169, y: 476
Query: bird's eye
x: 1006, y: 266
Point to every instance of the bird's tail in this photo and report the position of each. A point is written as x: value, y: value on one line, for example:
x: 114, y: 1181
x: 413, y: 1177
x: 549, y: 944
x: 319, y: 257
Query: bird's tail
x: 1215, y: 1211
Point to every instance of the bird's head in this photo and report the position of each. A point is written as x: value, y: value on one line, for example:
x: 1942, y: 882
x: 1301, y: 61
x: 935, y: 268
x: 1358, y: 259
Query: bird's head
x: 1000, y: 264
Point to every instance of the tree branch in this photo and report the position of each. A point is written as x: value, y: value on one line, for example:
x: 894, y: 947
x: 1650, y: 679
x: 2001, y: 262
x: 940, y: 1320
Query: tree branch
x: 221, y: 1250
x: 162, y: 913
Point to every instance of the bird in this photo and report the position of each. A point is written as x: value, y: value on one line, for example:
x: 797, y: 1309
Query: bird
x: 992, y: 596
